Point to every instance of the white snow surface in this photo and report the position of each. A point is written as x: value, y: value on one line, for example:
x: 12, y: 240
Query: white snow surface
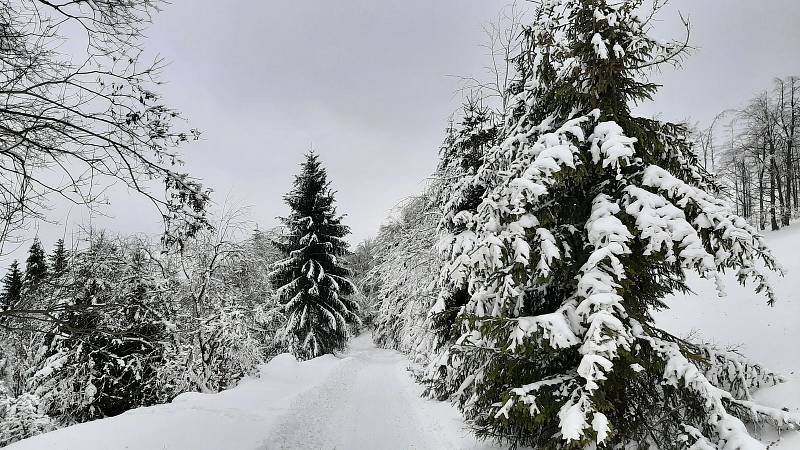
x: 365, y: 399
x: 743, y: 320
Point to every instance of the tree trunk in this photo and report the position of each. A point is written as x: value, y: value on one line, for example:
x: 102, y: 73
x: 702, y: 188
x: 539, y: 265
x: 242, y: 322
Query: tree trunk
x: 747, y: 183
x: 778, y: 187
x: 789, y: 183
x: 737, y: 197
x: 773, y: 220
x: 761, y: 222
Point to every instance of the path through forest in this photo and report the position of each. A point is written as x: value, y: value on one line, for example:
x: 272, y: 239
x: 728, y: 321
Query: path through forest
x: 364, y: 399
x: 369, y: 402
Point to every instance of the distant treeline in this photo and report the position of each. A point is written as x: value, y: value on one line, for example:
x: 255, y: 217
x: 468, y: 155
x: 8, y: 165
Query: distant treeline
x: 754, y: 152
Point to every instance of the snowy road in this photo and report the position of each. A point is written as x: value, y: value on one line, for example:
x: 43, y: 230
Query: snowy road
x: 369, y: 402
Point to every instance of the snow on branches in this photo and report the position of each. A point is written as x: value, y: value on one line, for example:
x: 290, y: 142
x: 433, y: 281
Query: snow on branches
x: 589, y: 217
x: 314, y: 287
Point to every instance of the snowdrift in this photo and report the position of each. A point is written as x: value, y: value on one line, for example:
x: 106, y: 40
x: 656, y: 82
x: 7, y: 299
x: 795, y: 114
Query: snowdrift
x: 234, y: 419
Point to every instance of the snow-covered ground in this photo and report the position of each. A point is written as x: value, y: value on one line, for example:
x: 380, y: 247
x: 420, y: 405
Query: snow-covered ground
x: 367, y: 400
x: 364, y: 400
x: 768, y: 335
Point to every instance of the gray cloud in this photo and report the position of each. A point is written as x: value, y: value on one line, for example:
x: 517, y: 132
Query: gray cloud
x: 368, y: 82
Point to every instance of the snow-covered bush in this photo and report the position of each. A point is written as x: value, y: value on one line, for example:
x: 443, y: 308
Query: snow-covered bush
x: 224, y: 321
x: 21, y: 418
x: 360, y: 262
x: 123, y: 324
x: 108, y: 334
x: 403, y: 278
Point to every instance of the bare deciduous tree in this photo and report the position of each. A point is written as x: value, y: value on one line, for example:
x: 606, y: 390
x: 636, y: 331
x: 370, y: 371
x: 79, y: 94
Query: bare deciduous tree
x: 760, y: 159
x: 78, y: 112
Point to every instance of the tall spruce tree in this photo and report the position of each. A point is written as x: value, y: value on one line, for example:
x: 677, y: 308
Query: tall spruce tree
x: 314, y: 285
x: 588, y: 218
x: 12, y: 287
x: 460, y: 157
x: 58, y: 259
x: 35, y: 266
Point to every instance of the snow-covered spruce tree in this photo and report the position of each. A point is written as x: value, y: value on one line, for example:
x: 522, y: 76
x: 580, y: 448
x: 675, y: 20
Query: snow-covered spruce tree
x: 589, y: 217
x: 312, y: 284
x: 35, y: 267
x: 58, y: 260
x: 456, y: 190
x: 12, y: 287
x: 405, y: 274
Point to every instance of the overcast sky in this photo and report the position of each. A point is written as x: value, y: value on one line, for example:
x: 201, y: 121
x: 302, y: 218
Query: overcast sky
x: 370, y: 83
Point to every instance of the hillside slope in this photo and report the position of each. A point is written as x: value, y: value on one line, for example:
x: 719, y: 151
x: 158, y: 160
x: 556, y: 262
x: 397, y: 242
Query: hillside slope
x: 742, y: 320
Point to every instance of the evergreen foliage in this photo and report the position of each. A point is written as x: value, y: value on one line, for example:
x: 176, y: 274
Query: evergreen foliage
x: 20, y: 418
x: 586, y: 218
x: 12, y: 287
x: 313, y: 284
x: 460, y: 158
x: 405, y: 275
x: 35, y: 266
x: 103, y: 364
x: 58, y: 260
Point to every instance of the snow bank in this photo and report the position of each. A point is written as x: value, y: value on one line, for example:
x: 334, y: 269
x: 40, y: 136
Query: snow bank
x: 234, y: 419
x: 742, y: 320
